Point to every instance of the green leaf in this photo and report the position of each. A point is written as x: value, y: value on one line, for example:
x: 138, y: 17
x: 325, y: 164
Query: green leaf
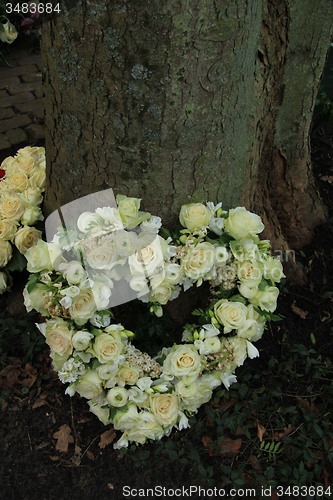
x: 18, y: 262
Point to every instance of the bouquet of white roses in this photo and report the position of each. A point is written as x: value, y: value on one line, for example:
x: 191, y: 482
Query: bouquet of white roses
x: 22, y: 180
x: 114, y: 254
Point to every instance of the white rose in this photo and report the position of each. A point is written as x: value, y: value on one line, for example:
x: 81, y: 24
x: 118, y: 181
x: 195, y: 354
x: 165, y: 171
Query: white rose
x: 83, y: 306
x: 165, y: 408
x: 198, y: 261
x: 73, y: 272
x: 118, y: 397
x: 102, y: 257
x: 266, y: 299
x: 248, y: 292
x: 125, y: 420
x: 183, y: 360
x: 146, y: 427
x: 18, y: 181
x: 129, y: 211
x: 107, y: 349
x: 8, y: 229
x: 211, y: 345
x: 195, y: 215
x: 147, y: 257
x: 9, y: 33
x: 203, y: 395
x: 86, y: 219
x: 231, y: 315
x: 59, y: 337
x: 42, y: 256
x: 27, y: 237
x: 81, y: 340
x: 243, y: 224
x: 31, y: 215
x: 35, y: 299
x: 186, y: 390
x: 249, y: 273
x: 89, y: 385
x: 107, y: 372
x: 5, y: 252
x: 248, y: 330
x: 161, y: 293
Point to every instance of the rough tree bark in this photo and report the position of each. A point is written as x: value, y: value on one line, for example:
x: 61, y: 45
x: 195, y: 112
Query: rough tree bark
x: 187, y: 100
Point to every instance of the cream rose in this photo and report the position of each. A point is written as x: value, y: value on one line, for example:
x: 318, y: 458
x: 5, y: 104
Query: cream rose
x: 198, y: 261
x: 182, y: 361
x: 107, y: 349
x: 26, y: 164
x: 18, y: 181
x: 165, y: 408
x: 195, y: 215
x: 27, y: 237
x: 231, y: 315
x: 11, y: 207
x: 31, y: 196
x: 146, y: 427
x: 38, y: 179
x: 89, y: 385
x: 128, y: 374
x: 9, y: 33
x: 59, y: 337
x: 8, y: 229
x: 83, y: 306
x: 3, y: 282
x: 243, y: 224
x: 5, y: 252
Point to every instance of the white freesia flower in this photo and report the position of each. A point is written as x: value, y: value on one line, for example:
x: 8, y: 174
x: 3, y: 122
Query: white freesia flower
x: 216, y: 225
x: 152, y: 225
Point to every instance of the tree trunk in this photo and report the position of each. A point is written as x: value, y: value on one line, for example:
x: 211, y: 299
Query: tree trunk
x: 187, y: 100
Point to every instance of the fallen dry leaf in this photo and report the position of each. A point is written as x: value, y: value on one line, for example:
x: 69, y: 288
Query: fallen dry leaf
x: 40, y: 402
x: 63, y: 436
x: 255, y: 462
x: 207, y: 442
x: 107, y: 438
x: 12, y: 376
x: 230, y: 447
x: 302, y: 314
x: 30, y: 376
x: 90, y: 455
x: 261, y: 431
x: 277, y: 436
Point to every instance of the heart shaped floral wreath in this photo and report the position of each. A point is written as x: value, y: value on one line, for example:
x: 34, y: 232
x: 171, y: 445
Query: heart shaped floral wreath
x: 76, y: 277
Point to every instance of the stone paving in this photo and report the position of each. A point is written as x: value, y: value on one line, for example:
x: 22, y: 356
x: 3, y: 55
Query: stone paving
x: 21, y: 99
